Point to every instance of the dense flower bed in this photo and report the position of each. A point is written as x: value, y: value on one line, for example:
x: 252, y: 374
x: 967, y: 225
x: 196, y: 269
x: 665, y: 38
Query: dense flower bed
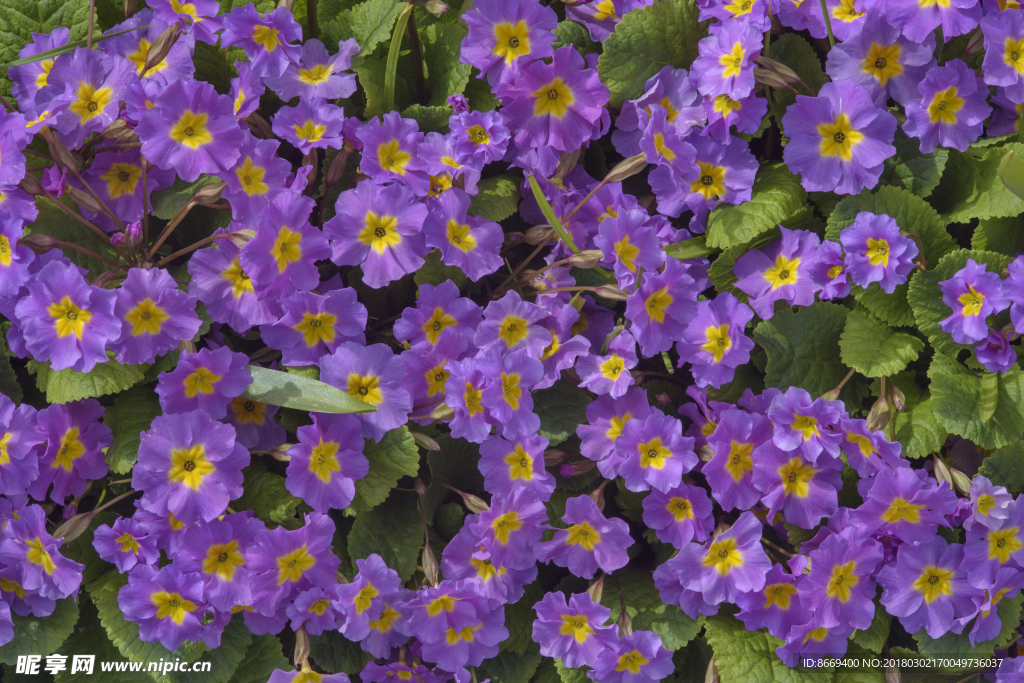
x: 608, y: 340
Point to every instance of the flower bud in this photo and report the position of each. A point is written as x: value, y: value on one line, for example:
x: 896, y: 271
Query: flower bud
x: 586, y: 259
x: 32, y: 185
x: 161, y: 47
x: 240, y: 238
x: 711, y: 675
x: 61, y: 155
x: 878, y: 416
x: 772, y: 80
x: 576, y: 468
x: 442, y: 412
x: 259, y: 127
x: 287, y: 4
x: 899, y: 401
x: 597, y: 495
x: 974, y: 44
x: 554, y: 456
x: 436, y: 7
x: 118, y: 131
x: 84, y: 200
x: 302, y: 647
x: 782, y: 73
x: 458, y: 104
x: 705, y: 453
x: 210, y: 192
x: 626, y: 169
x: 596, y: 589
x: 566, y: 163
x: 419, y: 487
x: 474, y: 504
x: 338, y: 164
x: 538, y: 234
x: 625, y: 624
x: 961, y: 481
x: 429, y: 564
x: 892, y: 673
x: 942, y: 471
x: 129, y: 7
x: 74, y: 527
x: 611, y: 292
x: 831, y: 394
x: 424, y: 441
x: 280, y: 453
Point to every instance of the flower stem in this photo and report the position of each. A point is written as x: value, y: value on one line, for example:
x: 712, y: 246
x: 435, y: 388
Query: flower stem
x: 828, y: 23
x: 192, y: 247
x: 178, y: 218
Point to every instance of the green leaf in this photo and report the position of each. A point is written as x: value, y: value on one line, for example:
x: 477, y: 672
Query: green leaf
x: 744, y: 656
x: 1005, y: 467
x: 953, y: 646
x: 561, y: 408
x: 519, y: 618
x: 549, y: 214
x: 1011, y: 172
x: 645, y: 608
x: 166, y: 203
x: 510, y: 667
x: 873, y: 638
x: 872, y: 348
x: 568, y: 675
x: 392, y: 64
x: 959, y: 402
x: 925, y: 295
x: 58, y: 225
x: 647, y: 40
x: 265, y: 494
x: 88, y: 637
x: 302, y: 393
x: 456, y: 464
x: 132, y: 413
x: 803, y: 347
x: 214, y: 67
x: 919, y: 430
x: 434, y: 271
x: 334, y: 653
x: 911, y: 214
x: 796, y: 53
x: 368, y: 22
x: 971, y: 187
x: 262, y: 657
x: 40, y: 635
x: 1004, y: 235
x: 394, y: 530
x: 912, y: 169
x: 573, y: 33
x: 394, y: 457
x: 63, y: 386
x: 695, y: 247
x: 9, y: 386
x: 430, y: 119
x: 442, y: 44
x: 497, y: 199
x: 19, y: 19
x: 777, y: 194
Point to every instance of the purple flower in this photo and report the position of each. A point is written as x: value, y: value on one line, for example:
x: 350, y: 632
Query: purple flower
x: 314, y: 325
x: 317, y: 74
x: 876, y: 252
x: 265, y: 40
x: 125, y: 544
x: 988, y: 625
x: 438, y: 309
x: 281, y: 561
x: 460, y: 561
x: 974, y: 294
x: 469, y: 243
x: 55, y: 180
x: 558, y: 105
x: 735, y: 440
x: 19, y: 435
x: 199, y: 15
x: 75, y: 441
x: 507, y: 399
x: 1005, y: 117
x: 378, y: 229
x: 65, y: 320
x: 510, y: 466
x: 192, y: 130
x: 723, y: 113
x: 840, y: 586
x: 607, y: 417
x: 312, y: 610
x: 390, y: 152
x: 630, y: 243
x: 781, y: 271
x: 988, y: 550
x: 880, y: 59
x: 655, y: 454
x: 505, y: 36
x: 802, y: 492
x: 919, y: 20
x: 990, y: 504
x: 926, y: 587
x: 867, y: 452
x: 638, y: 658
x: 364, y: 601
x: 829, y: 273
x: 714, y: 342
x: 14, y: 258
x: 726, y: 62
x: 603, y: 16
x: 839, y: 139
x: 679, y: 515
x: 116, y: 177
x: 312, y: 124
x: 661, y: 307
x: 205, y: 380
x: 508, y: 530
x: 775, y: 607
x: 510, y: 325
x: 814, y: 639
x: 167, y: 605
x: 1014, y: 289
x: 372, y: 374
x: 135, y: 47
x: 464, y: 388
x: 565, y: 346
x: 573, y: 632
x: 29, y: 79
x: 724, y: 173
x: 951, y: 109
x: 256, y: 177
x: 189, y: 466
x: 1004, y: 59
x: 592, y: 541
x: 609, y: 373
x: 995, y: 353
x: 478, y: 136
x: 906, y: 505
x: 671, y: 89
x: 282, y: 257
x: 28, y: 547
x: 90, y: 84
x: 155, y: 316
x: 246, y: 90
x: 215, y: 550
x: 327, y: 462
x: 804, y: 426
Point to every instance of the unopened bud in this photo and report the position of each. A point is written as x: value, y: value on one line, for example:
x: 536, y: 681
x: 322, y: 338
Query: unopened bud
x: 586, y: 259
x: 424, y: 441
x: 61, y: 155
x: 474, y: 504
x: 626, y: 169
x: 611, y: 292
x: 554, y: 456
x: 436, y: 7
x: 783, y: 72
x: 899, y: 401
x: 625, y: 624
x: 942, y: 471
x: 566, y: 163
x: 302, y: 647
x: 287, y: 4
x: 705, y: 453
x: 84, y: 200
x: 442, y: 412
x: 161, y: 46
x: 337, y: 167
x: 187, y: 345
x: 974, y: 44
x: 119, y: 131
x: 429, y: 564
x: 31, y: 185
x: 711, y: 675
x: 259, y: 126
x: 419, y: 487
x: 280, y: 453
x: 74, y: 527
x: 240, y: 238
x: 597, y: 495
x: 961, y: 481
x: 210, y: 192
x: 772, y: 80
x: 596, y: 589
x: 129, y: 7
x: 831, y: 394
x: 538, y: 234
x: 576, y: 468
x: 892, y: 673
x: 878, y: 416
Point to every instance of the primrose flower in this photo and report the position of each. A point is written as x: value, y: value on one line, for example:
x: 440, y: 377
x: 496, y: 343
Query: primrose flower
x: 926, y: 588
x: 90, y: 84
x: 314, y: 325
x: 989, y: 550
x: 679, y: 515
x: 505, y: 36
x: 65, y: 320
x: 734, y: 441
x: 372, y: 374
x: 167, y: 605
x: 840, y: 587
x: 511, y: 465
x: 135, y: 47
x: 378, y: 229
x: 205, y: 380
x: 246, y: 91
x: 508, y: 530
x: 461, y: 559
x: 116, y: 177
x: 802, y: 492
x: 363, y: 601
x: 317, y: 74
x: 507, y: 399
x: 839, y: 139
x: 779, y: 272
x: 126, y: 544
x: 281, y: 560
x: 919, y: 20
x: 714, y: 342
x: 312, y: 124
x: 469, y: 243
x: 661, y: 307
x: 281, y: 258
x: 189, y: 466
x: 199, y: 15
x: 951, y: 110
x: 565, y: 346
x: 438, y: 308
x: 637, y: 658
x: 214, y: 550
x: 29, y: 79
x: 775, y: 607
x: 478, y: 136
x: 558, y: 105
x: 630, y: 243
x: 724, y: 173
x: 191, y: 130
x: 723, y: 113
x: 573, y: 632
x: 990, y: 505
x: 812, y: 638
x: 655, y: 454
x: 601, y: 17
x: 671, y: 89
x: 155, y: 316
x: 1014, y: 289
x: 974, y: 294
x: 509, y: 324
x: 609, y: 373
x: 989, y: 624
x: 390, y: 152
x: 607, y: 416
x: 28, y: 547
x: 590, y: 543
x: 906, y: 506
x: 876, y: 252
x: 19, y: 435
x: 867, y: 452
x: 995, y: 353
x: 327, y: 462
x: 75, y: 441
x: 804, y: 426
x: 266, y: 40
x: 726, y: 62
x: 464, y: 388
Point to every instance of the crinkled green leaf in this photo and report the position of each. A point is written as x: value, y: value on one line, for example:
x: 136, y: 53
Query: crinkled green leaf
x: 519, y: 618
x: 19, y: 19
x: 744, y: 656
x: 224, y: 660
x: 561, y: 408
x: 394, y: 530
x: 873, y: 349
x: 971, y: 187
x: 647, y: 40
x: 510, y: 667
x: 63, y: 386
x: 777, y: 194
x: 873, y: 638
x: 447, y: 75
x: 1005, y: 467
x: 430, y: 119
x: 262, y: 657
x: 266, y: 494
x: 957, y: 394
x: 803, y: 347
x: 456, y: 464
x: 89, y: 637
x: 166, y: 203
x: 132, y: 413
x: 58, y: 225
x: 371, y: 76
x: 645, y: 608
x: 9, y: 386
x: 368, y: 22
x: 796, y: 53
x: 1004, y: 235
x: 214, y: 67
x: 925, y: 295
x: 497, y: 199
x: 919, y: 430
x: 394, y: 457
x: 302, y: 393
x: 568, y: 675
x: 911, y: 214
x: 434, y: 271
x: 912, y: 169
x: 953, y: 646
x: 40, y: 635
x: 335, y: 653
x: 573, y: 33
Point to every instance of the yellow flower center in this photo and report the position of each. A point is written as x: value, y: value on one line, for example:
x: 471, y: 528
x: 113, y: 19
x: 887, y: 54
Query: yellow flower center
x: 189, y: 466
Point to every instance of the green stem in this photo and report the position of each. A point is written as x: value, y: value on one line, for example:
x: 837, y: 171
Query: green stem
x: 393, y: 52
x: 828, y: 23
